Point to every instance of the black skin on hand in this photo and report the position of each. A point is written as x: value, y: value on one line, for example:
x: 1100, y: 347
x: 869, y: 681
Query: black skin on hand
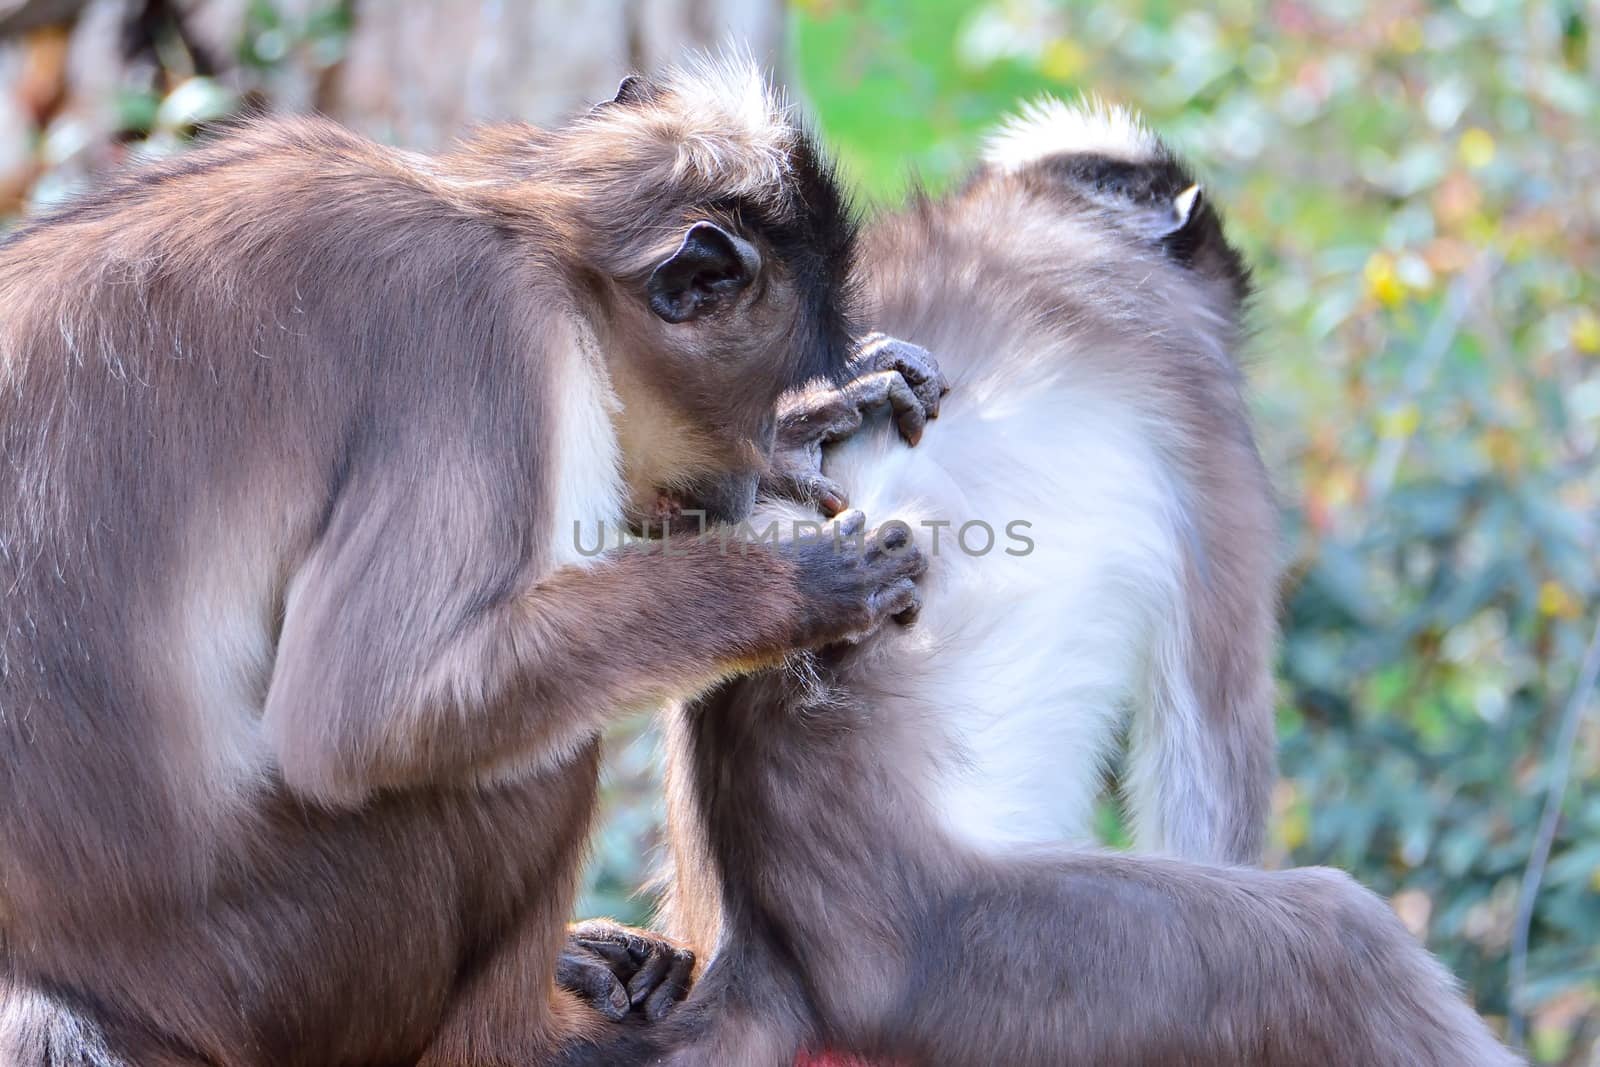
x: 620, y: 970
x: 885, y: 372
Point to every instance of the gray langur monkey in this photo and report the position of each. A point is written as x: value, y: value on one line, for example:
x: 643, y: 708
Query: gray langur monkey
x: 303, y: 653
x: 869, y: 845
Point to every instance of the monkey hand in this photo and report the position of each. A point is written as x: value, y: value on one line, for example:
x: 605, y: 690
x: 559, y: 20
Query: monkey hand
x: 878, y: 353
x: 852, y: 581
x: 619, y: 969
x: 884, y: 372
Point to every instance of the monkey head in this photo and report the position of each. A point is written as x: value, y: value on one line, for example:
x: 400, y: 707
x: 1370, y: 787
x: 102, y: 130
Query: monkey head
x: 719, y: 248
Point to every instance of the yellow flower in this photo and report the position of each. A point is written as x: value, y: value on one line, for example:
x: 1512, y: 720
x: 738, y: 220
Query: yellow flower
x: 1406, y: 35
x: 1294, y: 827
x: 1399, y: 422
x: 1062, y: 60
x: 1383, y: 281
x: 1586, y: 332
x: 1503, y: 449
x: 1476, y: 148
x: 1557, y: 600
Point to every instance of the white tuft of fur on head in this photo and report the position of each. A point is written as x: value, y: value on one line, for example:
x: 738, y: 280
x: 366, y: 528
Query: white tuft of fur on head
x: 733, y: 127
x: 1050, y: 127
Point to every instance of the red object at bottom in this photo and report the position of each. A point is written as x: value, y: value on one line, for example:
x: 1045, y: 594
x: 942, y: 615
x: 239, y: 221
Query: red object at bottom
x: 829, y: 1059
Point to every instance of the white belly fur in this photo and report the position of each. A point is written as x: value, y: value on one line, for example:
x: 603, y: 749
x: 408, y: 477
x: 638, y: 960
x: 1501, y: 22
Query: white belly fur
x: 1028, y: 664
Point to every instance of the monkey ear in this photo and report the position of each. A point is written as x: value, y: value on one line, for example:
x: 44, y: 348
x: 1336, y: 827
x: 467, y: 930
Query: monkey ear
x: 1182, y: 211
x: 631, y: 90
x: 1185, y: 204
x: 710, y: 266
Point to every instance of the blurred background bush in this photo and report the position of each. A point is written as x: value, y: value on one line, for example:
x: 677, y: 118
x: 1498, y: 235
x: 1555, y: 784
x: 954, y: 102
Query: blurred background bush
x: 1418, y: 185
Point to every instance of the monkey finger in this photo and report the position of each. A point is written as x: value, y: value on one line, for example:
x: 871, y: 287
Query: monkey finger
x: 914, y: 363
x: 815, y: 414
x: 893, y: 549
x: 892, y: 536
x: 869, y: 348
x: 880, y: 352
x: 592, y: 980
x: 926, y: 381
x: 827, y: 495
x: 898, y: 599
x: 804, y: 485
x: 663, y: 979
x: 648, y: 977
x: 931, y: 393
x: 910, y: 416
x: 918, y: 367
x: 673, y: 988
x: 850, y: 523
x: 623, y: 963
x: 889, y: 387
x: 833, y: 416
x: 598, y: 930
x: 913, y: 562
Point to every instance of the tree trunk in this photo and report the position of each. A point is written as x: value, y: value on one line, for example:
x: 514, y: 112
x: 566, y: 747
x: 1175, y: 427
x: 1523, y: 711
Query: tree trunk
x: 417, y: 72
x: 410, y: 72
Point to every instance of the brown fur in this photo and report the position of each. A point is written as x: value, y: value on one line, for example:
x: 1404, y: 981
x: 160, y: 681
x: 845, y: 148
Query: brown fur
x: 809, y: 847
x: 298, y: 705
x: 848, y: 919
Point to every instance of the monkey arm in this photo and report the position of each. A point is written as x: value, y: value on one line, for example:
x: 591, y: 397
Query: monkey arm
x: 411, y: 654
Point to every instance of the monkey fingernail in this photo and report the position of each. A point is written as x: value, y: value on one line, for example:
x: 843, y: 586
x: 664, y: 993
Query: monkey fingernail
x: 896, y: 536
x: 644, y: 983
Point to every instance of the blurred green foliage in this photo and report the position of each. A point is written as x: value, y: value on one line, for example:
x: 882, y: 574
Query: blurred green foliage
x: 1418, y: 186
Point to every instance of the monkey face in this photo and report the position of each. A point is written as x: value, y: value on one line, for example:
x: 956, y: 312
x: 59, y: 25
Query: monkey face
x: 721, y: 327
x: 731, y: 288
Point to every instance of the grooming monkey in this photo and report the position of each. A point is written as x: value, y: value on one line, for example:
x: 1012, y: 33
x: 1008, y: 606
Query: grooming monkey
x: 302, y: 657
x: 870, y: 839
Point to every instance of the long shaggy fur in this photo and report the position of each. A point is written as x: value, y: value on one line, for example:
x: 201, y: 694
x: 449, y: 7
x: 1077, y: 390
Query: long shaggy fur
x: 874, y: 848
x: 1097, y: 437
x: 300, y: 685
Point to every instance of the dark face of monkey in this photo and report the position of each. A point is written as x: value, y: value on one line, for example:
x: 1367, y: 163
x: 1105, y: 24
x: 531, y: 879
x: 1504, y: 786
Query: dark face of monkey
x: 732, y: 266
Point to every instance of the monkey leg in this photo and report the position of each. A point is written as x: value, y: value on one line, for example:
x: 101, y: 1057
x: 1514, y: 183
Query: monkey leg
x: 1104, y: 960
x: 542, y: 986
x: 743, y: 1012
x: 509, y: 1011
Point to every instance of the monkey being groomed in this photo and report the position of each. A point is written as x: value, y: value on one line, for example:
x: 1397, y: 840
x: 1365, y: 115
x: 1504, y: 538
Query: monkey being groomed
x: 303, y: 656
x: 871, y: 840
